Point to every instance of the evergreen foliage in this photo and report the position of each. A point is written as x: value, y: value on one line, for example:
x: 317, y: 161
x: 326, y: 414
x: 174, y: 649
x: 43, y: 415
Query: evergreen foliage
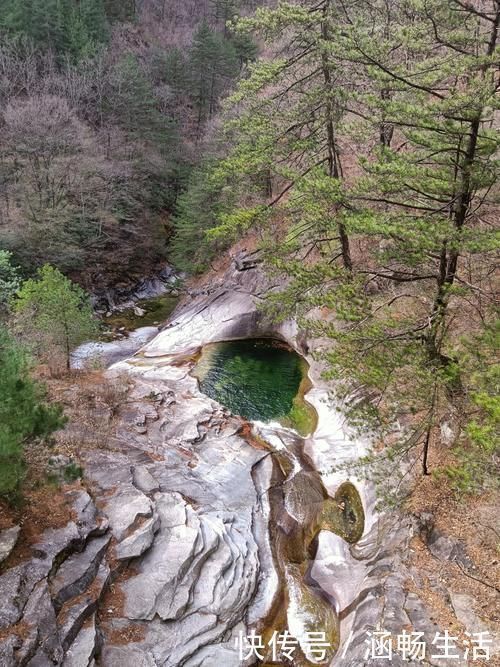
x: 361, y: 150
x: 196, y: 213
x: 175, y: 70
x: 371, y: 125
x: 54, y: 315
x: 478, y: 445
x: 287, y: 116
x: 99, y: 137
x: 10, y: 280
x: 120, y: 10
x: 24, y: 412
x: 131, y: 102
x: 213, y: 64
x: 64, y: 26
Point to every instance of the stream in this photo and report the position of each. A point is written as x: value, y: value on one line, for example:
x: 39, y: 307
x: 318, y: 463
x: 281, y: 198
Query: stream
x: 315, y: 514
x: 264, y: 381
x: 124, y: 332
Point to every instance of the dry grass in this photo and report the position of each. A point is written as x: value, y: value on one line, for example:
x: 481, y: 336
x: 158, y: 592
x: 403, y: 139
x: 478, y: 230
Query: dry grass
x: 90, y: 402
x: 475, y: 521
x: 41, y: 509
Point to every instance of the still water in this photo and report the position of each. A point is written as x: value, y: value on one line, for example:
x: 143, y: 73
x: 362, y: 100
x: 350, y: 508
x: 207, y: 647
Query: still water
x: 258, y: 379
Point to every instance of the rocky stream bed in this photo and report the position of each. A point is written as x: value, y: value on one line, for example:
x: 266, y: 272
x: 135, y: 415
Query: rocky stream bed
x: 197, y: 527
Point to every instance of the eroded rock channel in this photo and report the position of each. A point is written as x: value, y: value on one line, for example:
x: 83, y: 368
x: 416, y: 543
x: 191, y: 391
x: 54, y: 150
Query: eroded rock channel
x: 197, y: 526
x: 265, y: 381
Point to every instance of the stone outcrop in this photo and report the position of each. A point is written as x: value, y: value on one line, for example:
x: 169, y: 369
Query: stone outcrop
x: 172, y: 557
x: 226, y: 310
x: 8, y: 539
x: 46, y: 599
x: 124, y: 297
x: 186, y: 520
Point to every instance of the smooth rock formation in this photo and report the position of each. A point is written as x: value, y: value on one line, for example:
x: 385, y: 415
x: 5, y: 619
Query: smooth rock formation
x: 103, y: 354
x: 140, y: 540
x: 143, y: 480
x: 170, y: 556
x: 8, y: 539
x: 125, y: 508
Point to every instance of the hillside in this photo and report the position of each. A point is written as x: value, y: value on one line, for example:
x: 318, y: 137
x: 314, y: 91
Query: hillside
x: 249, y: 378
x: 103, y: 118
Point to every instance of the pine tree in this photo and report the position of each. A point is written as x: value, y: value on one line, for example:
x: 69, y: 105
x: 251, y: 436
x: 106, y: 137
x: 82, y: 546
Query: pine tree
x: 14, y: 17
x: 24, y: 413
x: 94, y: 18
x: 411, y: 89
x: 196, y: 212
x: 245, y: 48
x: 72, y: 27
x: 49, y: 21
x: 120, y: 10
x: 176, y: 70
x: 86, y: 27
x: 213, y: 64
x: 130, y: 100
x: 224, y: 11
x: 288, y: 113
x: 10, y: 280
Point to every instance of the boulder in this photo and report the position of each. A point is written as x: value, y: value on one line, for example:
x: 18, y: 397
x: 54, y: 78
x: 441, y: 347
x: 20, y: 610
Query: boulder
x: 463, y: 606
x: 124, y: 508
x: 88, y: 518
x: 55, y: 541
x: 140, y: 540
x: 8, y: 539
x: 82, y: 650
x: 143, y: 480
x: 420, y: 617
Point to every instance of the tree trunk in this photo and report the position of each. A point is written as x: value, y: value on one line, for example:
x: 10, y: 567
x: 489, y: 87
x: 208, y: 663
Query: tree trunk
x: 386, y: 129
x: 449, y: 257
x: 333, y: 159
x: 68, y: 351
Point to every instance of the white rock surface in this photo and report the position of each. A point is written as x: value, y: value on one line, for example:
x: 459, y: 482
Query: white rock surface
x: 124, y: 508
x: 105, y: 353
x: 140, y: 540
x: 188, y: 504
x: 8, y: 539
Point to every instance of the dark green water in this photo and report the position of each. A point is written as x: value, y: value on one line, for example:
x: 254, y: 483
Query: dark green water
x: 156, y: 310
x: 256, y: 379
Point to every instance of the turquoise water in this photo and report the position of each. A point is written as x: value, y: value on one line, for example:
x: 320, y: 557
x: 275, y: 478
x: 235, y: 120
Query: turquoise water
x: 256, y: 379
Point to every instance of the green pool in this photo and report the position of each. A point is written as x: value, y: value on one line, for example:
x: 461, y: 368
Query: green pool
x: 258, y: 379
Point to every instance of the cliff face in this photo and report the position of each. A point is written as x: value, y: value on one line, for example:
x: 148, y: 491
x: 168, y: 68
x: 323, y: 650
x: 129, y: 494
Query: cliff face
x: 177, y: 546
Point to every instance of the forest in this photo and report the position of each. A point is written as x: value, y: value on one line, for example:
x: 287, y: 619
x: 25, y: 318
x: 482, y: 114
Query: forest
x: 362, y: 149
x: 351, y: 147
x: 359, y: 145
x: 102, y: 116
